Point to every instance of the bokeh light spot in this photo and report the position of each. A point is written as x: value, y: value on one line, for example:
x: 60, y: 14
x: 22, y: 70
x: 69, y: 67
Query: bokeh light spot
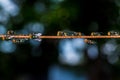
x: 109, y: 47
x: 68, y: 54
x: 34, y: 42
x: 59, y: 73
x: 4, y: 17
x: 79, y: 44
x: 92, y: 52
x: 57, y: 1
x: 112, y: 59
x: 34, y: 27
x: 39, y: 7
x: 7, y: 47
x: 9, y: 7
x: 2, y: 29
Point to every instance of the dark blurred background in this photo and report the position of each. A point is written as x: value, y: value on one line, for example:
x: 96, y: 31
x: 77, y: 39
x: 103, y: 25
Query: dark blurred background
x: 60, y: 59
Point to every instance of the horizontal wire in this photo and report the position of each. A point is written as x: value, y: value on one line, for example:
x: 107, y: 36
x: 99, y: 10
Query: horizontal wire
x: 79, y: 37
x: 57, y: 37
